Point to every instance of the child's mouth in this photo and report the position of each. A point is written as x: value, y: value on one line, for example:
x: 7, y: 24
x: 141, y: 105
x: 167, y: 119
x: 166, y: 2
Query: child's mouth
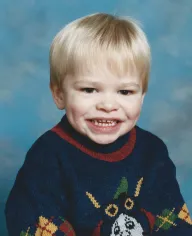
x: 103, y: 125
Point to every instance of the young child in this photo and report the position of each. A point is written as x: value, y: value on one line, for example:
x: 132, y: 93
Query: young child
x: 96, y: 172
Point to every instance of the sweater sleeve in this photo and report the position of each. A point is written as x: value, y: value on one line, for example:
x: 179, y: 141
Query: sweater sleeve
x: 165, y: 200
x: 37, y: 203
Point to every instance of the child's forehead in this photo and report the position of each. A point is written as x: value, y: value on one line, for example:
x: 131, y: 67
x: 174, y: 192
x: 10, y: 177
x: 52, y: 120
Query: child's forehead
x: 103, y: 75
x: 106, y: 68
x: 103, y: 80
x: 101, y: 66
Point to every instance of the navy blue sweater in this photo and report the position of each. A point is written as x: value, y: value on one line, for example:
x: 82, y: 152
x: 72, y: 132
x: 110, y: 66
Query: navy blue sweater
x: 69, y: 185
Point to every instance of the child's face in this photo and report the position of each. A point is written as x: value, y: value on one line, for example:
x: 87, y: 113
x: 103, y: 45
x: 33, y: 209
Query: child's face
x: 102, y: 106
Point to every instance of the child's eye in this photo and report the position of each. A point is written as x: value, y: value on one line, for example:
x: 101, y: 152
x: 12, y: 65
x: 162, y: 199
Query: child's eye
x: 88, y: 90
x: 125, y: 92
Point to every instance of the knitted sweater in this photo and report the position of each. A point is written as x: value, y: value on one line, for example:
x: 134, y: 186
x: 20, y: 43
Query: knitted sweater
x: 69, y: 185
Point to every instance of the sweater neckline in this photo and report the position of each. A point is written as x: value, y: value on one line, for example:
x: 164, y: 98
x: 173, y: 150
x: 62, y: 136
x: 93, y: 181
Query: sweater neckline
x: 116, y: 151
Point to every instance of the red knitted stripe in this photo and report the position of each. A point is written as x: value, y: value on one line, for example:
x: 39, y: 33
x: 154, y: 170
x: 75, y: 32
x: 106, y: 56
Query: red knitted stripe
x: 118, y: 155
x: 66, y: 228
x: 97, y: 231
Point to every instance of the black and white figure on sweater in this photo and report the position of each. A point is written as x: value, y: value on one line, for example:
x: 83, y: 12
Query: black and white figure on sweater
x: 122, y: 215
x: 126, y: 226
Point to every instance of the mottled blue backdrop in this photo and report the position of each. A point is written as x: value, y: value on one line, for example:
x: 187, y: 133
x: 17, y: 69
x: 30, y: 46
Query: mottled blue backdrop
x: 27, y: 110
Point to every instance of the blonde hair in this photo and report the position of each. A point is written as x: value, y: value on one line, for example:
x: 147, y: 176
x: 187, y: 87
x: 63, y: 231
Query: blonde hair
x: 98, y: 40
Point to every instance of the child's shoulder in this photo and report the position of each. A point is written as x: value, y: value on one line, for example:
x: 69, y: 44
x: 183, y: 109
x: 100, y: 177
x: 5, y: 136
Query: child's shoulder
x: 148, y: 135
x: 153, y: 147
x: 149, y: 139
x: 47, y: 140
x: 46, y: 146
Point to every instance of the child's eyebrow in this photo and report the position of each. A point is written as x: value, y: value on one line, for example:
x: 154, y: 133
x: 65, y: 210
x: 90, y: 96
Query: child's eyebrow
x: 95, y: 83
x: 130, y: 84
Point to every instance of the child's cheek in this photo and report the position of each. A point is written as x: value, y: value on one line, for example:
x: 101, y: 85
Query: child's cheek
x: 134, y: 112
x: 76, y: 110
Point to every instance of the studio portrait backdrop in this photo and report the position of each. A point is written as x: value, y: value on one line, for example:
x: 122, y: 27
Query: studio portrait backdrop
x: 27, y: 109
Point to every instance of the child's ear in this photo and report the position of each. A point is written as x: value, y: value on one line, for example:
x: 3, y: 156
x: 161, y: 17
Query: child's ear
x: 58, y: 96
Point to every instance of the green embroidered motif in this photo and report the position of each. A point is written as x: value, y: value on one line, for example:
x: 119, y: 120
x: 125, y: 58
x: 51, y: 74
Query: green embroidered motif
x: 61, y: 218
x: 23, y: 233
x: 166, y: 219
x: 123, y: 188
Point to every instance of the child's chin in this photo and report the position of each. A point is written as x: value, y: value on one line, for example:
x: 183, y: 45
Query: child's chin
x: 103, y: 140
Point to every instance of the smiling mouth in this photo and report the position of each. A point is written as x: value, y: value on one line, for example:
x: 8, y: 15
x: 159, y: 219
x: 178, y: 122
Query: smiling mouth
x: 104, y: 123
x: 104, y: 126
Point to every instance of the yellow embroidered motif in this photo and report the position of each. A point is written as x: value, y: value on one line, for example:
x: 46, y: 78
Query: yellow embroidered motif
x: 93, y: 200
x: 129, y: 204
x: 184, y: 215
x: 138, y: 188
x: 45, y: 227
x: 112, y: 210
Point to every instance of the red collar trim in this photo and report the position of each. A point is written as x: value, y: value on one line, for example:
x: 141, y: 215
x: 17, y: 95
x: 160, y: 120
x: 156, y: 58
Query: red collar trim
x: 118, y: 155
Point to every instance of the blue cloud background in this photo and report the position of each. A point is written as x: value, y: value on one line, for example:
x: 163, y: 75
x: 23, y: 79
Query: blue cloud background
x: 27, y: 109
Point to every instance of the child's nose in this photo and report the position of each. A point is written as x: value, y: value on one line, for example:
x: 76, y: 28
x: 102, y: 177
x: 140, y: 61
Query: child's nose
x: 107, y: 105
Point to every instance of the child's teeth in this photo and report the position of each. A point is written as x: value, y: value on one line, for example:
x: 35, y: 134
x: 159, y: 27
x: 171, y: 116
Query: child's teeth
x: 104, y: 122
